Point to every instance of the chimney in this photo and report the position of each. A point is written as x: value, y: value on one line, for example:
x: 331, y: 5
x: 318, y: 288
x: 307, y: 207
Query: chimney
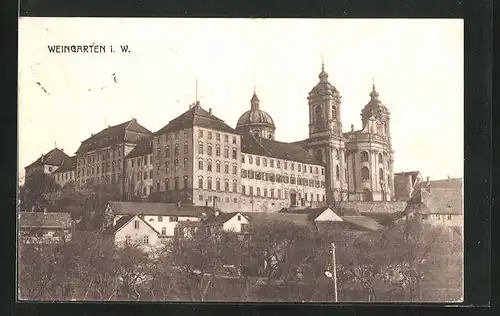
x: 448, y: 178
x: 210, y: 111
x: 428, y: 181
x: 352, y: 127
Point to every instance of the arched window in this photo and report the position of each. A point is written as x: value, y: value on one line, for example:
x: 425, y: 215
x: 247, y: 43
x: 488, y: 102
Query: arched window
x: 200, y: 148
x: 365, y: 174
x: 337, y: 173
x: 336, y: 154
x: 367, y: 195
x: 381, y: 175
x: 334, y: 113
x: 380, y: 158
x: 364, y: 156
x: 318, y: 113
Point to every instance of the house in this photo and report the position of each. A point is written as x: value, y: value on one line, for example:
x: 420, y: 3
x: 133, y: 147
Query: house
x: 234, y: 222
x: 163, y: 217
x: 135, y: 230
x: 44, y: 227
x: 318, y: 214
x: 48, y: 163
x: 66, y: 172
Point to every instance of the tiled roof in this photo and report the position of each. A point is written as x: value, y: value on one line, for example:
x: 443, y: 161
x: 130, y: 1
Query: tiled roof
x: 143, y: 147
x: 374, y: 207
x: 124, y: 220
x: 44, y: 220
x: 220, y: 219
x: 196, y: 116
x: 312, y: 213
x: 68, y: 164
x: 363, y: 222
x: 443, y: 201
x: 386, y: 218
x: 112, y: 135
x: 263, y: 219
x: 455, y: 183
x: 274, y: 149
x: 162, y: 209
x: 54, y: 157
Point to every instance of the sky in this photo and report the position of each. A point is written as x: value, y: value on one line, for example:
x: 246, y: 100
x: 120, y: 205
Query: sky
x: 416, y: 65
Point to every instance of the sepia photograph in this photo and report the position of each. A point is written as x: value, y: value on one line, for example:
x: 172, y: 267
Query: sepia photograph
x: 240, y: 160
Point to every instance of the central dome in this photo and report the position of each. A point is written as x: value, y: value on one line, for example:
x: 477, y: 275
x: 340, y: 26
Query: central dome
x: 256, y: 121
x: 253, y: 117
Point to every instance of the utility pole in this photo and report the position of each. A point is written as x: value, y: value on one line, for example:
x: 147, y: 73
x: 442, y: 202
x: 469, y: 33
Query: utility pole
x: 334, y: 263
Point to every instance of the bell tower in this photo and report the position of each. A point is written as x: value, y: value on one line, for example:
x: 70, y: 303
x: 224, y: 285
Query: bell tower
x: 326, y: 141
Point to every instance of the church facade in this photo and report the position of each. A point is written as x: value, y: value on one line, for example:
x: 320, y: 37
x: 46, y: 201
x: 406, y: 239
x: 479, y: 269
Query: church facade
x: 358, y: 164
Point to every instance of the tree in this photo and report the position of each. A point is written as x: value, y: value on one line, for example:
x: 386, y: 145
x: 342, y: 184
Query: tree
x: 37, y: 189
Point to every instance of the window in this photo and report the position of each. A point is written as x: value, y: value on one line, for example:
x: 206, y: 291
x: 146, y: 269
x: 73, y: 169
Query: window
x: 200, y: 164
x: 258, y: 191
x: 200, y: 148
x: 185, y: 163
x: 217, y: 184
x: 278, y: 164
x: 271, y: 163
x: 209, y: 165
x: 250, y: 190
x: 310, y: 169
x: 336, y: 154
x: 136, y: 224
x: 200, y: 197
x: 381, y: 176
x: 242, y: 159
x: 226, y: 152
x: 250, y: 174
x: 265, y: 192
x: 292, y: 166
x: 146, y: 239
x: 226, y: 185
x: 173, y: 219
x: 250, y: 159
x: 217, y: 136
x: 200, y: 133
x: 243, y: 189
x: 279, y: 194
x: 272, y: 193
x: 176, y: 150
x: 317, y: 170
x: 264, y: 162
x: 448, y: 217
x: 132, y: 162
x: 226, y: 167
x: 200, y: 182
x: 209, y: 149
x: 380, y: 158
x: 167, y: 152
x: 163, y: 231
x: 239, y: 218
x: 176, y: 183
x: 186, y: 183
x: 365, y: 174
x: 235, y: 169
x: 235, y: 153
x: 167, y: 166
x: 334, y: 113
x: 217, y: 166
x: 217, y: 150
x: 160, y: 218
x: 337, y: 172
x: 285, y: 165
x: 364, y: 156
x: 235, y: 186
x: 322, y: 171
x: 209, y: 135
x: 226, y: 138
x: 257, y: 161
x: 234, y: 139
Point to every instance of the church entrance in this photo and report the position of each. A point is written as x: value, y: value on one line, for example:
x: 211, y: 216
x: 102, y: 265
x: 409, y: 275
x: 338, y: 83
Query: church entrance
x: 367, y: 195
x: 293, y: 197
